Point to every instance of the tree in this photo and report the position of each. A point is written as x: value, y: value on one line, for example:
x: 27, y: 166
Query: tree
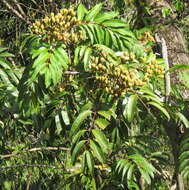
x: 91, y: 96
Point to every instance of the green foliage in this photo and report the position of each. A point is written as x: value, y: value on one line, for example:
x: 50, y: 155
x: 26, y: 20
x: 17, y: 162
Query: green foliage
x: 179, y: 5
x: 135, y: 162
x: 165, y: 12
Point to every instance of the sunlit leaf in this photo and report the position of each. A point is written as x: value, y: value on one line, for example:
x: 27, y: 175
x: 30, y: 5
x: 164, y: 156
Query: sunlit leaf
x: 41, y: 59
x: 86, y: 58
x: 62, y: 56
x: 145, y: 176
x: 76, y: 55
x: 115, y: 23
x: 101, y: 140
x: 81, y: 12
x: 183, y: 119
x: 131, y: 107
x: 97, y: 152
x: 6, y: 54
x: 65, y: 117
x: 106, y: 114
x: 77, y: 137
x: 99, y: 33
x: 162, y: 109
x: 77, y: 150
x: 78, y: 121
x: 105, y: 16
x: 87, y: 106
x: 35, y: 73
x: 48, y: 78
x: 88, y: 32
x: 184, y: 155
x: 93, y: 12
x: 37, y: 52
x: 90, y: 162
x: 83, y: 162
x: 179, y: 67
x: 102, y: 123
x: 130, y: 172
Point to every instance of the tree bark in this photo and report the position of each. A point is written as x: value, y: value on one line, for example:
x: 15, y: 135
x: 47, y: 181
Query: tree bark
x: 174, y: 135
x: 142, y: 183
x: 177, y: 54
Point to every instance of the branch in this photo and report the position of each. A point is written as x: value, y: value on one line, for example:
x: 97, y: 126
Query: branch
x: 33, y: 150
x: 30, y: 165
x: 19, y: 15
x: 19, y: 8
x: 167, y: 75
x: 71, y: 72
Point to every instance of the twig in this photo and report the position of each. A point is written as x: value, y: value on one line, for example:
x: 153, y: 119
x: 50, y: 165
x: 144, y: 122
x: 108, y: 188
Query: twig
x: 29, y: 181
x: 71, y: 72
x: 167, y: 75
x: 33, y: 150
x: 44, y: 5
x: 30, y: 165
x: 15, y: 11
x: 19, y: 8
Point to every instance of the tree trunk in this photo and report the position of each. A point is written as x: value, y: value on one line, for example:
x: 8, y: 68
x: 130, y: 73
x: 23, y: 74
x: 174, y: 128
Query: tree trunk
x: 174, y: 135
x: 177, y: 54
x: 175, y: 41
x: 180, y: 182
x: 142, y: 183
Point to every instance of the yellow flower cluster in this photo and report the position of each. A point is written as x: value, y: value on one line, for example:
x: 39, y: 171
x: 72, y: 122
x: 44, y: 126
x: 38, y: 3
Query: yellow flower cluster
x: 59, y: 27
x: 154, y: 69
x: 126, y: 56
x: 115, y: 79
x: 147, y: 37
x: 149, y: 69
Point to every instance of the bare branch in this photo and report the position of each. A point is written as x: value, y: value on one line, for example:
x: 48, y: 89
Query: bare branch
x: 71, y: 72
x: 30, y: 165
x: 19, y: 15
x: 33, y: 150
x: 19, y: 8
x: 165, y: 57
